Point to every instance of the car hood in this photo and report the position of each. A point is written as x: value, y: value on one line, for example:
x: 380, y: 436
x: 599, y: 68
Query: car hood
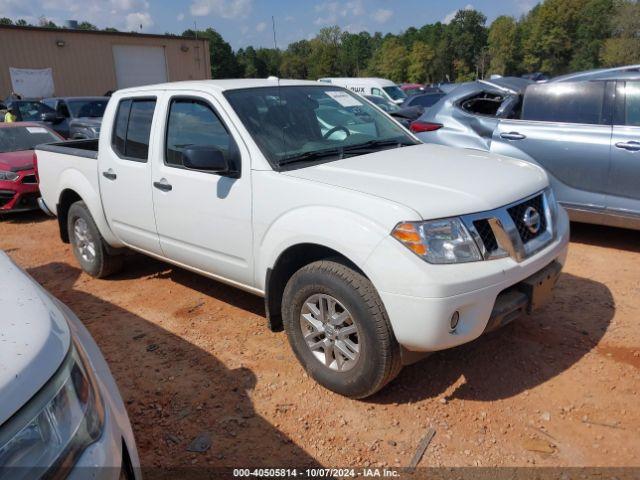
x: 86, y: 121
x: 16, y: 161
x: 433, y: 180
x: 34, y: 338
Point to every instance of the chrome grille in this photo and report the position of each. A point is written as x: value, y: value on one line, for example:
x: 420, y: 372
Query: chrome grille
x: 518, y: 213
x: 508, y: 232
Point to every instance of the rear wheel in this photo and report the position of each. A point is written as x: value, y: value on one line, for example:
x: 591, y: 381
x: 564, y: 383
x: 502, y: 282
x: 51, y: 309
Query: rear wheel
x: 338, y: 329
x: 87, y: 244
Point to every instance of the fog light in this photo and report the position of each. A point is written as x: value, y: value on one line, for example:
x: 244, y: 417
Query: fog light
x: 454, y: 320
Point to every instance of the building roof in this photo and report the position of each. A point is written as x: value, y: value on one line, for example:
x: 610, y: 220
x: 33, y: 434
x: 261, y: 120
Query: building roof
x: 96, y: 32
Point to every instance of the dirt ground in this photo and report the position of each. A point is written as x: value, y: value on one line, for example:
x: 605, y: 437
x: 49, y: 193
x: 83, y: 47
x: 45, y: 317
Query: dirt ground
x: 192, y: 356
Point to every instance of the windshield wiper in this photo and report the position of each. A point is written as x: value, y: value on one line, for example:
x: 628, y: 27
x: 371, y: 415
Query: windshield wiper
x: 374, y: 145
x: 307, y: 156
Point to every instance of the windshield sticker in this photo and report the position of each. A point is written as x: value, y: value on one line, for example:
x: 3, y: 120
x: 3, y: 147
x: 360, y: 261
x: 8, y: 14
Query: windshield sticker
x: 344, y: 99
x: 36, y: 130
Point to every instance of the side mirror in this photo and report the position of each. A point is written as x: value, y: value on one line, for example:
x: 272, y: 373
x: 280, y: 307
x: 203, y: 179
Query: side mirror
x: 209, y: 159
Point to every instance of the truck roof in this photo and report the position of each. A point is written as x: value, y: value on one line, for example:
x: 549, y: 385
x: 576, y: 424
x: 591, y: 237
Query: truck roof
x: 221, y: 85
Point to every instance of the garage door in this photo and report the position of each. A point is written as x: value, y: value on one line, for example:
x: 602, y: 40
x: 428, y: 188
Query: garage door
x: 138, y: 65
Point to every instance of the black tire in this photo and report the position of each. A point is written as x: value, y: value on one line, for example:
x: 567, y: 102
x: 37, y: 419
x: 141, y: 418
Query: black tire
x: 378, y: 361
x: 102, y: 264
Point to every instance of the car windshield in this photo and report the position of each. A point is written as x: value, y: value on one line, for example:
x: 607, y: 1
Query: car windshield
x: 31, y: 111
x: 87, y: 108
x: 19, y: 138
x: 313, y: 123
x: 383, y: 103
x: 395, y: 92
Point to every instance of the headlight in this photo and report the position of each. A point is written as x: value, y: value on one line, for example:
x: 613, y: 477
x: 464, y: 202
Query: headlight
x: 438, y: 241
x: 54, y: 428
x: 95, y: 129
x: 11, y: 176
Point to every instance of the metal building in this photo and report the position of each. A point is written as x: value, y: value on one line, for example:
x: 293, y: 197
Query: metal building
x: 86, y: 62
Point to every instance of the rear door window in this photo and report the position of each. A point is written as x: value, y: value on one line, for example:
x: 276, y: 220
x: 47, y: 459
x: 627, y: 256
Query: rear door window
x: 580, y: 102
x: 132, y: 128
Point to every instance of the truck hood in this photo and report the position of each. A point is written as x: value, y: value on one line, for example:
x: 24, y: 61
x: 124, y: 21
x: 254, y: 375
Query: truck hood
x: 435, y: 181
x: 34, y: 338
x: 17, y: 161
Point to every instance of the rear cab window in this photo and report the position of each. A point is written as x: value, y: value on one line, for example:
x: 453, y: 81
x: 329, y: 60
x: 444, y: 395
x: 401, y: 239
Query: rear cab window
x: 565, y: 102
x: 132, y: 128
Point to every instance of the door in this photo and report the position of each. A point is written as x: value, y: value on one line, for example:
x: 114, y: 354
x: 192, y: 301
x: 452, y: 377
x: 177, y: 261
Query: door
x: 203, y: 218
x: 624, y: 180
x: 125, y: 174
x: 566, y: 129
x: 139, y: 65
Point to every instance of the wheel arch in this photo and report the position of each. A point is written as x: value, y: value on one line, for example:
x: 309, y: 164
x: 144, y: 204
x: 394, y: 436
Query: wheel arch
x: 288, y: 262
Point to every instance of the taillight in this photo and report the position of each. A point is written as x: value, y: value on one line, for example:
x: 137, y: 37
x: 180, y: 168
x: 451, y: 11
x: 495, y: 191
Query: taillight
x: 419, y: 127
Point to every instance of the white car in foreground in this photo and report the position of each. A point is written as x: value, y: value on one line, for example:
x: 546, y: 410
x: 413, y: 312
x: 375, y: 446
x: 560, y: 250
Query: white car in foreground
x: 60, y: 411
x: 369, y: 247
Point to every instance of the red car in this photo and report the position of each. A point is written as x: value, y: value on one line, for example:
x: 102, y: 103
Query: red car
x: 18, y: 182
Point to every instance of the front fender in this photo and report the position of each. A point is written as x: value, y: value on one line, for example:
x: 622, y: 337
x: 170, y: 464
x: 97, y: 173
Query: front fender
x: 72, y: 179
x: 348, y: 233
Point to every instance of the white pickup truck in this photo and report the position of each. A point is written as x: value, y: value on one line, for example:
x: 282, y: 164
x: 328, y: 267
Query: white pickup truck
x: 368, y: 247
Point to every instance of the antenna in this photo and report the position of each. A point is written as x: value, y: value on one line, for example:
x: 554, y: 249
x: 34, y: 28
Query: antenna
x: 273, y: 25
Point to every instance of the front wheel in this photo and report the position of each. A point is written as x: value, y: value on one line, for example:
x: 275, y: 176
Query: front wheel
x: 339, y: 330
x: 88, y: 246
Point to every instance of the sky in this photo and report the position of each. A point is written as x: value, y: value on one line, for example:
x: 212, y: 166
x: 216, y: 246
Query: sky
x: 248, y: 22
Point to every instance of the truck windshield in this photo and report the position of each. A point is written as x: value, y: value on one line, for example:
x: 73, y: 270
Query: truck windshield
x: 395, y: 92
x: 294, y: 124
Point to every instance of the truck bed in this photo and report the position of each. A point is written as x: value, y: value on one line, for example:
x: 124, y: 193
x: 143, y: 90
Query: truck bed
x: 68, y: 165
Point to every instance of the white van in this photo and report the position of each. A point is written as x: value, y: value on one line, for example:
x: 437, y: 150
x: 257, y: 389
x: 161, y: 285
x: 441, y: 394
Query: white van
x: 379, y: 87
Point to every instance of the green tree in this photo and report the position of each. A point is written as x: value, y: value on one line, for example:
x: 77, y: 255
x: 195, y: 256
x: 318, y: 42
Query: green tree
x: 391, y: 60
x: 6, y: 21
x: 503, y: 45
x: 21, y: 22
x: 420, y: 62
x: 295, y: 60
x: 224, y: 63
x: 86, y: 26
x: 623, y: 46
x: 355, y: 52
x: 467, y: 37
x: 593, y: 27
x: 325, y: 50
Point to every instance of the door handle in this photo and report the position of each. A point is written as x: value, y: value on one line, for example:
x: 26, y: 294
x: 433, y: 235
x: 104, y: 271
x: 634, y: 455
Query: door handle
x: 110, y: 174
x: 163, y: 185
x: 513, y: 136
x: 631, y: 146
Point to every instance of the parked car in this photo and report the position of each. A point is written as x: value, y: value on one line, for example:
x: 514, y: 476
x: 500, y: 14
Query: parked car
x: 378, y: 87
x: 403, y: 115
x: 369, y: 248
x: 31, y: 110
x: 82, y: 115
x: 584, y: 129
x: 412, y: 88
x: 18, y: 182
x: 61, y: 414
x: 424, y: 100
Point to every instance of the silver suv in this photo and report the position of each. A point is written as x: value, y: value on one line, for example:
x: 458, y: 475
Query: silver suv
x: 584, y: 129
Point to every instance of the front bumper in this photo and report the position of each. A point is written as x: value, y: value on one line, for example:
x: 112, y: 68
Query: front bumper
x: 114, y: 455
x: 420, y: 298
x: 20, y: 195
